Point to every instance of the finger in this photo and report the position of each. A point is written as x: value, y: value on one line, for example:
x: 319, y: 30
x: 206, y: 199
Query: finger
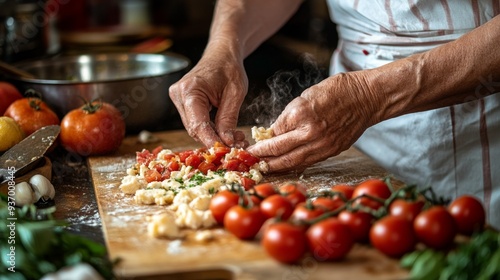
x: 197, y: 119
x: 278, y: 145
x: 226, y: 119
x: 292, y: 161
x: 176, y: 97
x: 300, y: 158
x: 240, y: 140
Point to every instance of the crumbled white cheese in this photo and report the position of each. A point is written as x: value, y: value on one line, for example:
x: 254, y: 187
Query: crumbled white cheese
x: 153, y: 196
x: 204, y: 236
x: 132, y: 171
x: 163, y: 225
x: 200, y: 202
x: 187, y: 217
x: 183, y: 197
x: 261, y: 133
x: 130, y: 184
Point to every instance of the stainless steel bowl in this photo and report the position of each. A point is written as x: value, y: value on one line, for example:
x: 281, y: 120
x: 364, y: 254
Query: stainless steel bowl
x: 137, y: 84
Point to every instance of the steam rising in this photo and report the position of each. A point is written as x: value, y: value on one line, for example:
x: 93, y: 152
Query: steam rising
x: 284, y: 87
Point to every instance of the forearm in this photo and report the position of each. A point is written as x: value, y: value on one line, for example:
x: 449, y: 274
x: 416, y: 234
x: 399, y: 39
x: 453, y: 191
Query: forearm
x: 241, y: 26
x: 457, y: 72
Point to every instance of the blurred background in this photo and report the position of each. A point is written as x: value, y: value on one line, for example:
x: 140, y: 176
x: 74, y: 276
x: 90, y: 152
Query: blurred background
x: 41, y: 28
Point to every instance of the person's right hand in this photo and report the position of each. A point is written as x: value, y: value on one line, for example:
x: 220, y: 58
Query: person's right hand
x: 325, y: 120
x: 217, y: 80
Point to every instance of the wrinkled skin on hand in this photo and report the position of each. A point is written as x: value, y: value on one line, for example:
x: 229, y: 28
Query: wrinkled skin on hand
x: 218, y: 80
x: 325, y: 120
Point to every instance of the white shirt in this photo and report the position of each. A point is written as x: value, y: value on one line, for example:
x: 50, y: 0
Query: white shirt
x: 455, y: 149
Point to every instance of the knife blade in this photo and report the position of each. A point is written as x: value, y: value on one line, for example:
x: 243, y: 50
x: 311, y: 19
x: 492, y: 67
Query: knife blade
x: 22, y: 157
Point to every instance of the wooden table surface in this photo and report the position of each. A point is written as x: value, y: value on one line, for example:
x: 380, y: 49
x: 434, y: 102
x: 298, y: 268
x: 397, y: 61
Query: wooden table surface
x: 124, y: 225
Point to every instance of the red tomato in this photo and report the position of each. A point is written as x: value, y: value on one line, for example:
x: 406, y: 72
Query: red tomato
x: 344, y: 189
x: 204, y: 167
x: 219, y: 151
x: 255, y: 199
x: 294, y: 192
x: 284, y: 242
x: 152, y: 175
x: 469, y: 214
x: 264, y: 190
x: 221, y: 202
x: 306, y: 212
x: 435, y: 227
x: 234, y: 165
x: 244, y: 222
x: 247, y: 183
x: 393, y: 236
x: 93, y: 129
x: 328, y: 204
x: 31, y: 114
x: 247, y: 158
x: 372, y: 187
x: 278, y: 206
x: 359, y: 223
x: 406, y: 209
x: 193, y: 160
x: 173, y: 165
x: 329, y: 240
x: 8, y: 94
x: 184, y: 155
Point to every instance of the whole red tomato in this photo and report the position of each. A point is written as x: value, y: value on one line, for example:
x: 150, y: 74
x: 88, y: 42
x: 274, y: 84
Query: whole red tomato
x: 469, y: 214
x: 405, y: 208
x: 276, y: 206
x: 264, y: 190
x: 359, y: 223
x: 435, y: 227
x: 306, y: 212
x: 31, y: 113
x: 372, y: 187
x: 8, y: 94
x: 345, y: 190
x: 284, y: 242
x: 295, y: 192
x: 329, y: 240
x: 393, y: 236
x: 221, y: 202
x: 94, y: 129
x: 328, y: 203
x: 244, y: 222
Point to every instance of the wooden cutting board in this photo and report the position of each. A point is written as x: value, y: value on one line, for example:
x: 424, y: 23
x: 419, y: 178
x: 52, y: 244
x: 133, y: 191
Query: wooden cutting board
x: 225, y: 257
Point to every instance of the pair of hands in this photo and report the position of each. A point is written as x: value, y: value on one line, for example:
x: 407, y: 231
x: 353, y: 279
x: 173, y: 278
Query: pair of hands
x: 325, y: 120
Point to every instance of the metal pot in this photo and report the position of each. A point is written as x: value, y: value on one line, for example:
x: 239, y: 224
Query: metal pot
x: 137, y: 84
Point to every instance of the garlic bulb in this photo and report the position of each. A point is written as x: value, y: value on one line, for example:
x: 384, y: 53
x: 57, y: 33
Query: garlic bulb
x: 24, y: 194
x: 39, y: 189
x: 42, y: 188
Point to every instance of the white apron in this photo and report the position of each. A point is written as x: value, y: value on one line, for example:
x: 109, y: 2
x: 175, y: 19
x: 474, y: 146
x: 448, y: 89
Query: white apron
x: 456, y: 149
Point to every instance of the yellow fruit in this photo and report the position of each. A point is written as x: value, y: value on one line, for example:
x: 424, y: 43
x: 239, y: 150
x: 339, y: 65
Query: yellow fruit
x: 10, y: 133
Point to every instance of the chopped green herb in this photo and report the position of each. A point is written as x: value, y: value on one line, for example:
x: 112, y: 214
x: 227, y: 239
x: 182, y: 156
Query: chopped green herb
x: 220, y: 172
x: 179, y: 180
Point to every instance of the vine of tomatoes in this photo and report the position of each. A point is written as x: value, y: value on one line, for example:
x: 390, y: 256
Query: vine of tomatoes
x: 291, y: 223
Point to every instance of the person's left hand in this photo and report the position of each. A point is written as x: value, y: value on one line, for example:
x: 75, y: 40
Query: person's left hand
x: 325, y: 120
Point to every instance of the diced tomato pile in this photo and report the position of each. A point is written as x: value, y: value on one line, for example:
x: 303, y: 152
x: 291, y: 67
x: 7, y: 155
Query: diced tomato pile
x: 202, y: 160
